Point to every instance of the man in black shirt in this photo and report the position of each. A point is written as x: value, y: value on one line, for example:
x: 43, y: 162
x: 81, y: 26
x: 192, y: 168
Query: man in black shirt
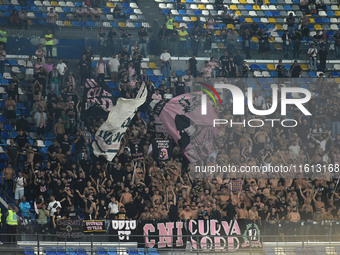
x: 142, y: 44
x: 180, y: 86
x: 193, y: 65
x: 280, y: 69
x: 21, y: 139
x: 89, y: 54
x: 22, y: 124
x: 296, y: 70
x: 336, y: 38
x: 296, y: 39
x: 291, y: 23
x: 323, y: 53
x: 224, y: 60
x: 84, y: 68
x: 125, y: 36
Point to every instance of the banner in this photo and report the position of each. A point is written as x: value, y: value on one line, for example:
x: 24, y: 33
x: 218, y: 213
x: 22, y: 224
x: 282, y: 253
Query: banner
x: 69, y: 229
x: 94, y: 226
x: 203, y: 234
x: 162, y: 150
x: 136, y: 148
x: 96, y: 95
x: 193, y: 132
x: 124, y: 230
x: 159, y: 126
x: 108, y: 136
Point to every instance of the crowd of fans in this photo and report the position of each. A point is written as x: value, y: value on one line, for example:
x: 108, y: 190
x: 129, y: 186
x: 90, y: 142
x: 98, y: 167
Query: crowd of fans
x: 67, y: 181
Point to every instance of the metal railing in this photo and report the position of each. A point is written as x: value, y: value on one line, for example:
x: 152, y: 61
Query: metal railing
x: 93, y: 243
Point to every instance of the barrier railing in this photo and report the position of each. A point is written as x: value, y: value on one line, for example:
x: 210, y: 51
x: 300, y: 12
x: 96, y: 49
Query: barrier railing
x: 93, y: 243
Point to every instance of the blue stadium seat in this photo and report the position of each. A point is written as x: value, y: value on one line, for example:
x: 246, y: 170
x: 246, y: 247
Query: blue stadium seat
x: 148, y: 72
x: 78, y: 4
x: 179, y: 73
x: 312, y: 74
x: 106, y: 10
x: 62, y: 16
x: 248, y: 7
x: 178, y: 18
x: 8, y: 127
x: 166, y: 11
x: 287, y: 7
x: 263, y: 66
x: 90, y: 24
x: 254, y: 67
x: 330, y: 13
x: 114, y: 24
x: 198, y: 12
x: 268, y: 13
x: 273, y: 74
x: 67, y: 9
x: 182, y: 12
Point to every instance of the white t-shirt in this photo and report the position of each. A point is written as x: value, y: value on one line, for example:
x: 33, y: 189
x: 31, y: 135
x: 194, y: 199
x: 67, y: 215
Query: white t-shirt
x: 52, y: 207
x: 165, y: 56
x: 113, y: 63
x: 61, y: 68
x: 19, y: 183
x: 113, y: 208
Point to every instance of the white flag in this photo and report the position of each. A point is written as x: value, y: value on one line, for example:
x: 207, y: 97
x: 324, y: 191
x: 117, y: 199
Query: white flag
x: 108, y: 137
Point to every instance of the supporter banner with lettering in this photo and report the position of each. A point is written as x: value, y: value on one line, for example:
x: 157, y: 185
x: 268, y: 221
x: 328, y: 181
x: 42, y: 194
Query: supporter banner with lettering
x: 182, y: 118
x: 136, y: 148
x: 124, y: 230
x: 162, y: 149
x: 203, y: 234
x: 96, y: 95
x: 108, y: 136
x: 69, y: 229
x: 91, y: 226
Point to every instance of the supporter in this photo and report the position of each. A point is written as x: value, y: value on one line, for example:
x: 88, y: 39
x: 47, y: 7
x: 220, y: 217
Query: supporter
x: 183, y: 35
x: 264, y: 46
x: 51, y: 19
x: 210, y: 22
x: 8, y: 175
x: 295, y: 70
x: 196, y: 38
x: 62, y: 69
x: 312, y: 53
x: 114, y: 66
x: 304, y: 21
x: 280, y: 69
x: 40, y: 119
x: 142, y: 42
x: 29, y: 69
x: 290, y: 23
x: 101, y: 71
x: 244, y: 70
x: 323, y: 53
x: 2, y: 58
x: 3, y: 37
x: 101, y: 41
x: 296, y: 38
x: 286, y: 39
x: 166, y: 63
x: 80, y: 13
x: 14, y: 18
x: 23, y: 19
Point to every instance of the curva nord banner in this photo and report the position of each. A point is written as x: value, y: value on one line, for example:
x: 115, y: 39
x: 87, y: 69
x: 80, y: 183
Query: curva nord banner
x: 203, y: 234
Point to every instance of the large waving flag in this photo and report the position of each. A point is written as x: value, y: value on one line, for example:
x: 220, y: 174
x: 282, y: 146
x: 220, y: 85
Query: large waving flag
x: 108, y: 137
x: 96, y: 95
x: 191, y: 130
